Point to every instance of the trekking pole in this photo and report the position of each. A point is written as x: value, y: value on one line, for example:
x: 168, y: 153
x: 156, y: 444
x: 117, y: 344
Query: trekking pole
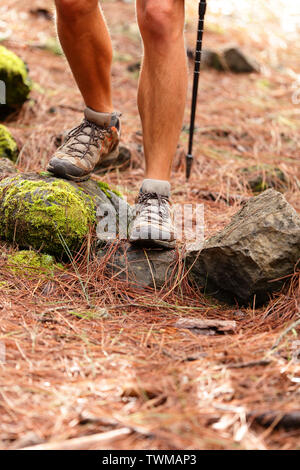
x: 189, y: 156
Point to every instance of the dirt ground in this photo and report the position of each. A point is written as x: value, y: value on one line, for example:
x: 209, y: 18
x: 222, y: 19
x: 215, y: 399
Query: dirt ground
x: 73, y: 371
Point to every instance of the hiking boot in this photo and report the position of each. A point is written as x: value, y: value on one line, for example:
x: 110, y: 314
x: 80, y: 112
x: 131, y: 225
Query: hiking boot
x: 152, y: 224
x: 95, y: 139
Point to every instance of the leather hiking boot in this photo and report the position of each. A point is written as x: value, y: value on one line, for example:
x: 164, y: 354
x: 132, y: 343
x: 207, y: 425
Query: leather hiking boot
x: 96, y: 138
x: 152, y: 224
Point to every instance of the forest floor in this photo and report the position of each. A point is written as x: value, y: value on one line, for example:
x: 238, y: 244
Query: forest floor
x: 73, y: 371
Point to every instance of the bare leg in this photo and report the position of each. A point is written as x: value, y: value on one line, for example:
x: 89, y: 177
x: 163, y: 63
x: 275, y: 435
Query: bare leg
x: 86, y: 43
x: 163, y: 82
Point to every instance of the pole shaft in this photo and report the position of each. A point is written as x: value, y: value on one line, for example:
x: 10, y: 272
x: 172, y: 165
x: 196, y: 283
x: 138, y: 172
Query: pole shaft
x: 198, y: 54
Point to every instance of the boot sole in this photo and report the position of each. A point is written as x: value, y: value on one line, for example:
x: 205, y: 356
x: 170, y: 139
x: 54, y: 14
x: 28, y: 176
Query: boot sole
x: 148, y: 243
x: 63, y: 169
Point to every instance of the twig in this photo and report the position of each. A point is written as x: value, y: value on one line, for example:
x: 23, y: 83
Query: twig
x: 243, y: 365
x: 100, y: 441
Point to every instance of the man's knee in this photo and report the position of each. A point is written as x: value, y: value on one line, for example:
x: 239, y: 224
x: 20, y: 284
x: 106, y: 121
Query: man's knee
x: 74, y: 8
x: 161, y: 19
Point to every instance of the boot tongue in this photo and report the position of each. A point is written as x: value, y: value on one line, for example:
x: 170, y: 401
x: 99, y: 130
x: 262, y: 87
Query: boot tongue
x: 156, y: 186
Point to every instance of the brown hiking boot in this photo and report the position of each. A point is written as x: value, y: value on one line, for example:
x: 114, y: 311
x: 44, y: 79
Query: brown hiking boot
x: 95, y: 139
x: 152, y: 224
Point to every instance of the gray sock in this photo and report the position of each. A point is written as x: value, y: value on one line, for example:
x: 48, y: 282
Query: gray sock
x: 161, y: 187
x: 102, y: 119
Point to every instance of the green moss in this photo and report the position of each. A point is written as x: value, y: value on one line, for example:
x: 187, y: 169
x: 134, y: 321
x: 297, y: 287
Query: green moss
x: 39, y: 212
x: 14, y: 74
x: 45, y: 173
x: 28, y: 261
x: 107, y: 189
x: 264, y: 176
x: 8, y: 146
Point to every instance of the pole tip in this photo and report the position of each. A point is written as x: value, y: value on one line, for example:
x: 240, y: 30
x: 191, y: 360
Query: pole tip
x: 189, y: 161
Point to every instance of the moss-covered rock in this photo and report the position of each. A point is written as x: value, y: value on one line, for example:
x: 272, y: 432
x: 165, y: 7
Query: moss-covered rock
x: 29, y: 262
x: 8, y: 145
x: 48, y: 214
x: 14, y: 74
x: 261, y: 177
x: 107, y: 189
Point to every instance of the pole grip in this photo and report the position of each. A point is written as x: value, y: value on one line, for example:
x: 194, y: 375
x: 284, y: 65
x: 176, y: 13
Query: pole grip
x: 202, y: 9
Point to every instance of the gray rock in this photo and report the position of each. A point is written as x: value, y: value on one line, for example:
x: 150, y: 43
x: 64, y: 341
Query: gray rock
x: 209, y: 59
x: 141, y: 267
x: 231, y: 59
x: 261, y: 244
x: 7, y: 167
x: 237, y: 62
x: 212, y: 59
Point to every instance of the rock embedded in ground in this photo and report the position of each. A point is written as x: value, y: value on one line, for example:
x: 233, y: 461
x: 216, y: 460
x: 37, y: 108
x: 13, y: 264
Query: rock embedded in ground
x: 141, y: 267
x: 6, y: 167
x: 17, y: 85
x: 212, y: 59
x: 8, y: 145
x: 231, y: 59
x: 209, y: 59
x: 247, y: 259
x: 50, y: 214
x: 237, y: 62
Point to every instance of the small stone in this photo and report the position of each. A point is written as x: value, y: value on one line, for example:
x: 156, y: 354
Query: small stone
x: 209, y: 59
x: 42, y: 13
x: 249, y: 258
x: 134, y: 67
x: 213, y: 60
x: 237, y: 62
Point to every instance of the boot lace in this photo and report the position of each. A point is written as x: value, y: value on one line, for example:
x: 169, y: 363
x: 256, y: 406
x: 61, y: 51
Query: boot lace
x: 96, y: 135
x: 145, y: 200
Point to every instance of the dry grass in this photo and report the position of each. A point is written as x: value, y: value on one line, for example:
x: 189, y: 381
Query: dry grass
x: 82, y: 361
